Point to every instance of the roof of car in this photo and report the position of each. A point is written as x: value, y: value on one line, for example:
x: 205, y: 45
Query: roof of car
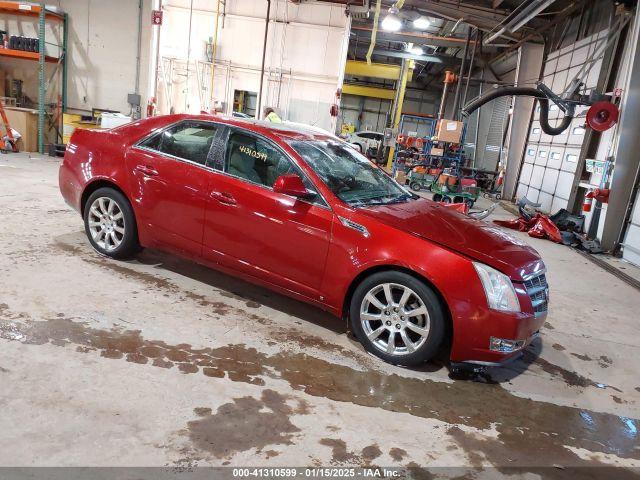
x: 285, y: 130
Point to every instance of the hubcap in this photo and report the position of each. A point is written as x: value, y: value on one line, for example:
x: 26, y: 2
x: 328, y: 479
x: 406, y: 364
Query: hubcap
x: 106, y: 223
x: 394, y: 319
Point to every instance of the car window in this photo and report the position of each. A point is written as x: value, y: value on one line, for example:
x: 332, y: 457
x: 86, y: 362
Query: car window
x: 256, y: 160
x: 188, y: 140
x: 259, y: 161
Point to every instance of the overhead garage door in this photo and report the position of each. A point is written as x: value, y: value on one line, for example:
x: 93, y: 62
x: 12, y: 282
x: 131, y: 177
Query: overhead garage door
x: 549, y: 165
x: 631, y: 250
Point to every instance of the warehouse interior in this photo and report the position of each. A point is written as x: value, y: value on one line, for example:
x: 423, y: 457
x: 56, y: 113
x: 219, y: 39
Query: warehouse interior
x: 519, y: 113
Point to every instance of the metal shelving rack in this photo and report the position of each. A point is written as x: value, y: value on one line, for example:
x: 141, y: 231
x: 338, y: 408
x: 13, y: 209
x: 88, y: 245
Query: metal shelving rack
x: 43, y: 15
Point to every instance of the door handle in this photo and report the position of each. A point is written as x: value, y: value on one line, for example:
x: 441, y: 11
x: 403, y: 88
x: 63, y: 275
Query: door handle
x: 224, y: 197
x: 147, y: 170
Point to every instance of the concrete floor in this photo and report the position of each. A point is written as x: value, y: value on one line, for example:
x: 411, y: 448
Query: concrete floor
x: 161, y: 362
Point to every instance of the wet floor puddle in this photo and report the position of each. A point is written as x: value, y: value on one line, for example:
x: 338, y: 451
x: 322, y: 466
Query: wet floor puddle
x: 528, y: 430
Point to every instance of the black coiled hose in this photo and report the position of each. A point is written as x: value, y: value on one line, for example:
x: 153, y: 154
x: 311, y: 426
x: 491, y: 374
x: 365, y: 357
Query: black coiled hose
x: 473, y: 105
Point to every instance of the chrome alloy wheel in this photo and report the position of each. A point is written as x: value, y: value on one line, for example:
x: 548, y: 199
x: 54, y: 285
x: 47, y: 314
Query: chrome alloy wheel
x: 394, y: 319
x: 106, y: 223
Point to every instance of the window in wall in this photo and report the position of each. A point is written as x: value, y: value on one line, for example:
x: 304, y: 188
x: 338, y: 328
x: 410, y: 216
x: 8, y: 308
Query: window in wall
x: 578, y: 131
x: 555, y: 155
x: 536, y: 130
x: 542, y: 154
x: 572, y: 158
x: 188, y: 140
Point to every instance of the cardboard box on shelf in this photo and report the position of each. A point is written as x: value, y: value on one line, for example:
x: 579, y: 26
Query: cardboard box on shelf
x: 449, y: 131
x: 25, y: 122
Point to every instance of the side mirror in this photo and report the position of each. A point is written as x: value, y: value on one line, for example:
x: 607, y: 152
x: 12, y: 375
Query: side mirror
x: 291, y: 184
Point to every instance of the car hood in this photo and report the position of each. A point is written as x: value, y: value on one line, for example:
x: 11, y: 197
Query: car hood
x: 473, y: 238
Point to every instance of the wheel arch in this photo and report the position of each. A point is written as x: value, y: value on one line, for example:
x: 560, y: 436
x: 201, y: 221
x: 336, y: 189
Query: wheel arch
x: 95, y: 185
x: 398, y: 268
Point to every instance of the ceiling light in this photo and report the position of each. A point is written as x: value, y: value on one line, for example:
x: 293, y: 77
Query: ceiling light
x: 421, y: 23
x: 414, y: 49
x: 391, y: 23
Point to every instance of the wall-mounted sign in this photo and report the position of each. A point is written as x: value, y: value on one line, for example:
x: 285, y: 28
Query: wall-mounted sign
x: 156, y: 17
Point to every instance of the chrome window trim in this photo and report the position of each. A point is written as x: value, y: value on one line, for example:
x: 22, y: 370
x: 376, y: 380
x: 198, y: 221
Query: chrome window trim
x: 173, y: 157
x: 211, y: 169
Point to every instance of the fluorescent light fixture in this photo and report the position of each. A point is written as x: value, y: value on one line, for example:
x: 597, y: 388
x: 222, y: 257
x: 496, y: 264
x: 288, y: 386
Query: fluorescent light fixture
x: 421, y: 23
x: 414, y: 49
x: 391, y: 23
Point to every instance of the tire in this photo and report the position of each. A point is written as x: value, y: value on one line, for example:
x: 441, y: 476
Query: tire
x: 437, y: 197
x: 110, y: 224
x: 458, y: 200
x: 446, y: 199
x: 498, y: 197
x: 415, y: 186
x: 416, y: 338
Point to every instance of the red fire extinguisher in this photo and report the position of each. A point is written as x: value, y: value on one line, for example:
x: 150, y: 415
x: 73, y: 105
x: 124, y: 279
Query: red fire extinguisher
x: 151, y: 107
x: 500, y: 178
x: 588, y: 201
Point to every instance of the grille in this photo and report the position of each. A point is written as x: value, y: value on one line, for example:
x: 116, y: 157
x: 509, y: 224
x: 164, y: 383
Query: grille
x: 538, y: 291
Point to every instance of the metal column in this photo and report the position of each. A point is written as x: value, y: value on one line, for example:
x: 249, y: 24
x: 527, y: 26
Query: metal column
x: 530, y: 59
x: 402, y: 88
x: 41, y: 74
x: 626, y: 169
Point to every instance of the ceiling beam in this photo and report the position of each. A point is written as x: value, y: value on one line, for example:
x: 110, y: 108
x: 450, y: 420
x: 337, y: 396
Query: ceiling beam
x: 417, y: 38
x: 441, y: 59
x: 361, y: 51
x: 374, y: 70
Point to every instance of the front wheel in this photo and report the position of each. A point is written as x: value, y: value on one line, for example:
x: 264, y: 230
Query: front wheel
x: 110, y: 224
x: 397, y: 318
x: 415, y: 186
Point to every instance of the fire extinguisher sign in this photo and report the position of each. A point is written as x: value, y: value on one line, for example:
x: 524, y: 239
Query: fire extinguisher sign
x: 156, y: 17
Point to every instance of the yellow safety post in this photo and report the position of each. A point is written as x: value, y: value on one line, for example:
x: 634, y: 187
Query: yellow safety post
x: 406, y: 66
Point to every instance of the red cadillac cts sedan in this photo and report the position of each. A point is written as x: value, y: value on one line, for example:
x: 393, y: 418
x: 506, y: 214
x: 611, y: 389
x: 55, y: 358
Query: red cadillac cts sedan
x: 303, y: 213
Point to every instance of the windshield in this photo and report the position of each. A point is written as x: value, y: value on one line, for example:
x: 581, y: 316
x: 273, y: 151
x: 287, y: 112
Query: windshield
x: 353, y: 178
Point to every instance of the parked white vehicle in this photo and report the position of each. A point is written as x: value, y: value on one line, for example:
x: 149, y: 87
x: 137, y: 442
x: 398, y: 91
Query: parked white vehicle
x: 365, y: 140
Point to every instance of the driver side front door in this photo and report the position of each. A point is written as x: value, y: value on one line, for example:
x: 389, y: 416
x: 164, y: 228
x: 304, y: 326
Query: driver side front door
x: 249, y: 227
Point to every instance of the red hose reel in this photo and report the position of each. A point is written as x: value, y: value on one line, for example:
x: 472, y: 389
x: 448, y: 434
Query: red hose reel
x: 602, y: 116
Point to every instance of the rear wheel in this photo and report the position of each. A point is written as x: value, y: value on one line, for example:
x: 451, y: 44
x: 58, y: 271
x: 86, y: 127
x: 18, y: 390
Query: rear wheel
x: 437, y: 197
x: 415, y: 186
x: 397, y: 318
x: 110, y: 224
x: 458, y: 200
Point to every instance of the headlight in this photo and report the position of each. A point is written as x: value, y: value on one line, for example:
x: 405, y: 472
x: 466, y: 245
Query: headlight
x: 498, y: 287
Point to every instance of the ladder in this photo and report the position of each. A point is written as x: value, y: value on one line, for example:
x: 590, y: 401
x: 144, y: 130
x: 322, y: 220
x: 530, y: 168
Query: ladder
x: 6, y: 140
